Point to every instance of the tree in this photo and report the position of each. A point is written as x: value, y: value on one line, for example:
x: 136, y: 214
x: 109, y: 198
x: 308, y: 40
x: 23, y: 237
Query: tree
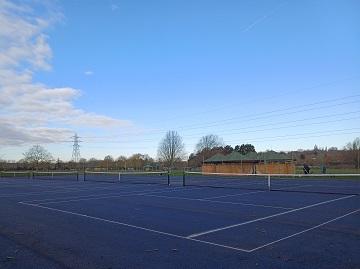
x: 228, y: 149
x: 245, y: 148
x: 59, y: 165
x: 138, y: 161
x: 108, y: 159
x: 316, y: 150
x: 209, y: 142
x: 121, y: 162
x: 36, y: 155
x: 171, y: 148
x: 83, y: 161
x: 354, y: 148
x: 93, y: 163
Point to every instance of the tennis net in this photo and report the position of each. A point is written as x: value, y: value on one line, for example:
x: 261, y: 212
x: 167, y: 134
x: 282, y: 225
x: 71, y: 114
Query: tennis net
x: 313, y: 183
x: 162, y: 177
x: 58, y: 175
x: 15, y: 174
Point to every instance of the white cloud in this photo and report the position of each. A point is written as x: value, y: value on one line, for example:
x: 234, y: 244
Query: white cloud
x: 32, y: 112
x: 89, y: 73
x: 14, y: 135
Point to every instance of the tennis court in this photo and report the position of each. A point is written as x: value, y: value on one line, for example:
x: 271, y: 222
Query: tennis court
x: 103, y: 220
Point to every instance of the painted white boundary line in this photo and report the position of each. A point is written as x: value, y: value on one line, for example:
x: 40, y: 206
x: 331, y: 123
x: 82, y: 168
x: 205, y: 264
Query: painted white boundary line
x: 304, y: 231
x: 192, y: 239
x: 59, y: 191
x: 134, y: 226
x: 79, y: 196
x: 50, y: 183
x: 112, y: 196
x: 230, y: 195
x: 219, y: 202
x: 268, y: 217
x: 39, y: 185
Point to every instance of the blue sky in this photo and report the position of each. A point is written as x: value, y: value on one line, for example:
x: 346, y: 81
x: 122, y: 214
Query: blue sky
x: 282, y: 75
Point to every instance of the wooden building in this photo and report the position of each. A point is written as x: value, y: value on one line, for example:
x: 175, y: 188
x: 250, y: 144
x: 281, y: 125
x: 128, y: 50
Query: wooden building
x: 252, y: 163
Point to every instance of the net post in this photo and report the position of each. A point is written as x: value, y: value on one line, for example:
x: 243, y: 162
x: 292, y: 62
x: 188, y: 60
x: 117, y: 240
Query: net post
x: 77, y: 175
x: 183, y: 181
x: 269, y: 182
x: 119, y: 176
x: 168, y: 177
x: 84, y: 175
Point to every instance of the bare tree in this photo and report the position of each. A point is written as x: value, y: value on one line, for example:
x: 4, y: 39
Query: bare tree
x: 109, y: 160
x: 36, y: 155
x: 209, y: 142
x: 171, y: 148
x: 354, y: 147
x: 121, y: 162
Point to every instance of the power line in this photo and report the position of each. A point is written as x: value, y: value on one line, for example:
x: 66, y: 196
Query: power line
x: 265, y: 115
x: 298, y: 90
x: 278, y: 137
x: 245, y: 129
x: 288, y: 136
x: 268, y: 139
x: 256, y: 116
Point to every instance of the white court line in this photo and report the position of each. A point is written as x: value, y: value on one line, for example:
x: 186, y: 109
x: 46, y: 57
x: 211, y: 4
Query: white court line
x: 43, y: 185
x: 304, y: 231
x: 135, y: 227
x: 170, y: 234
x: 29, y: 182
x: 99, y: 195
x: 268, y: 217
x: 230, y: 195
x: 247, y: 193
x: 57, y: 191
x: 112, y: 196
x: 219, y: 202
x: 292, y: 187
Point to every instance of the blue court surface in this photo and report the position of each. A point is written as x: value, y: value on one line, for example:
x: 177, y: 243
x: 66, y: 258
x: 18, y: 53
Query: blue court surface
x: 86, y: 224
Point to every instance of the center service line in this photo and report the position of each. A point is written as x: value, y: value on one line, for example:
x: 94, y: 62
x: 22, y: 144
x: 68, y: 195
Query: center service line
x: 268, y: 217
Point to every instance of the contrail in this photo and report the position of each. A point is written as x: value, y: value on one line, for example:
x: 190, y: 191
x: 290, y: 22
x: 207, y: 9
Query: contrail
x: 263, y: 18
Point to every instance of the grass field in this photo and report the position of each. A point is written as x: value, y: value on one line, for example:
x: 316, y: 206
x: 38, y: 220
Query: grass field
x: 317, y: 170
x: 299, y: 170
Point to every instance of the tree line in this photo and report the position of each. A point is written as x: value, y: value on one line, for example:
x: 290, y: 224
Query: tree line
x: 171, y: 154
